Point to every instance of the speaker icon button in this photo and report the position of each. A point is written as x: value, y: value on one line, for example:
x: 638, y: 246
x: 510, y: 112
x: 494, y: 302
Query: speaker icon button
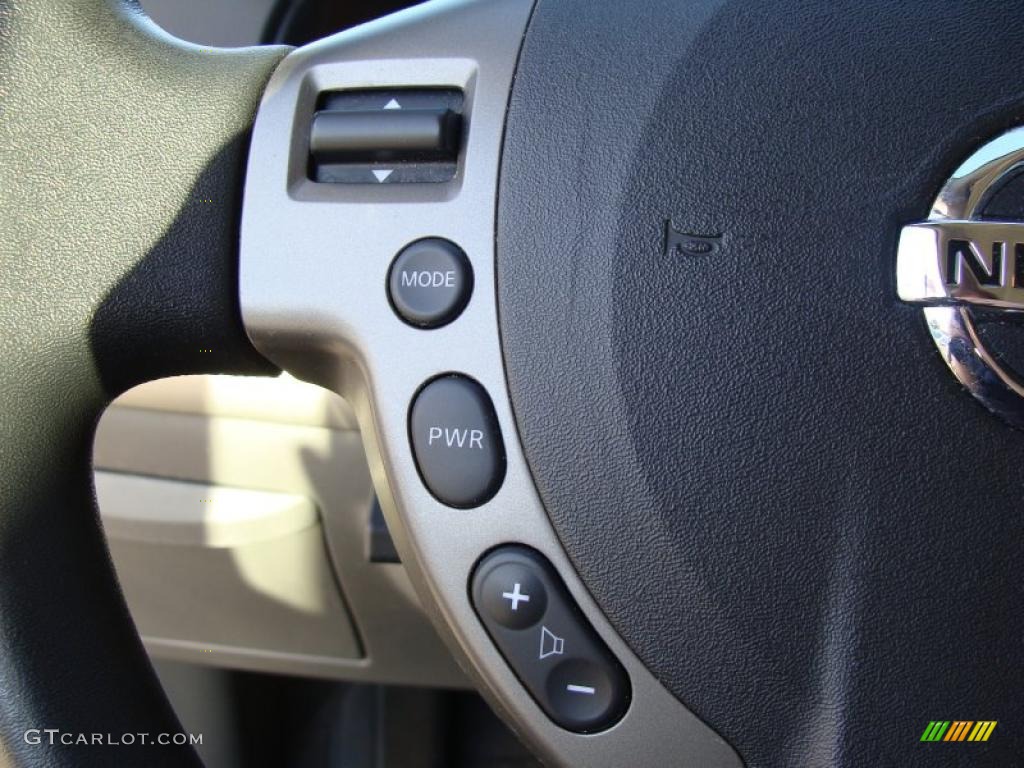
x: 547, y: 641
x: 550, y: 644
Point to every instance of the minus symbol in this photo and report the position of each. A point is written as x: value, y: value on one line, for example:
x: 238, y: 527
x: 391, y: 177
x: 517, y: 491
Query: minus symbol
x: 581, y: 689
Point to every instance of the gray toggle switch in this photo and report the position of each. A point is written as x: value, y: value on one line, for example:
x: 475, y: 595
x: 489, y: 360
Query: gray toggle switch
x: 388, y: 135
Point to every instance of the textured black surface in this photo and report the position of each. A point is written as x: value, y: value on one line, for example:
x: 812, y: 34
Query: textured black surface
x: 758, y: 462
x: 121, y: 153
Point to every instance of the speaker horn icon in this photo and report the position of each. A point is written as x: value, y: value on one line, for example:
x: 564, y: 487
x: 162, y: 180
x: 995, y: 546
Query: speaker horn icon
x: 550, y: 643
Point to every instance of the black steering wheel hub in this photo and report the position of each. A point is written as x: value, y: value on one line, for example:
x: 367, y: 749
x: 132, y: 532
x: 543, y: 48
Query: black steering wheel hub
x: 751, y: 451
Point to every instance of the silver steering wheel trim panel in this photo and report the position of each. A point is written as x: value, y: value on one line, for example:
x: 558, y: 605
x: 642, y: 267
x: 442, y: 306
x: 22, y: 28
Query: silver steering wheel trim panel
x: 314, y: 262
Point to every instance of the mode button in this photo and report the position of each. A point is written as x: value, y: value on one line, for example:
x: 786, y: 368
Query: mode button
x: 430, y: 282
x: 456, y: 441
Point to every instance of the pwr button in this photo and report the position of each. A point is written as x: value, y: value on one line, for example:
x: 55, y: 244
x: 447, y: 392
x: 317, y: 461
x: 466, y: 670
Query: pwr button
x: 457, y: 442
x: 456, y: 437
x: 430, y: 282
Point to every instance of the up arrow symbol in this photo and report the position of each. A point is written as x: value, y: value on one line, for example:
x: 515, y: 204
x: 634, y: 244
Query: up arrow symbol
x: 392, y: 105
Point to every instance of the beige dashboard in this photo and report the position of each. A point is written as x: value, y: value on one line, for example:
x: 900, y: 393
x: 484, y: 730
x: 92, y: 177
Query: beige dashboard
x: 237, y: 511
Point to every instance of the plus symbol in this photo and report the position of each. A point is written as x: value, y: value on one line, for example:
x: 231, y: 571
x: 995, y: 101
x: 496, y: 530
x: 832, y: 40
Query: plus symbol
x: 515, y: 597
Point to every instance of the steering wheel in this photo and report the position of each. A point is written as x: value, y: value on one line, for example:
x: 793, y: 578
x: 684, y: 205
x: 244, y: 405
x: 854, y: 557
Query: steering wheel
x: 670, y: 455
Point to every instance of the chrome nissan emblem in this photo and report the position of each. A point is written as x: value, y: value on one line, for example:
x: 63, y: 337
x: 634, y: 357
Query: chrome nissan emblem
x: 954, y: 261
